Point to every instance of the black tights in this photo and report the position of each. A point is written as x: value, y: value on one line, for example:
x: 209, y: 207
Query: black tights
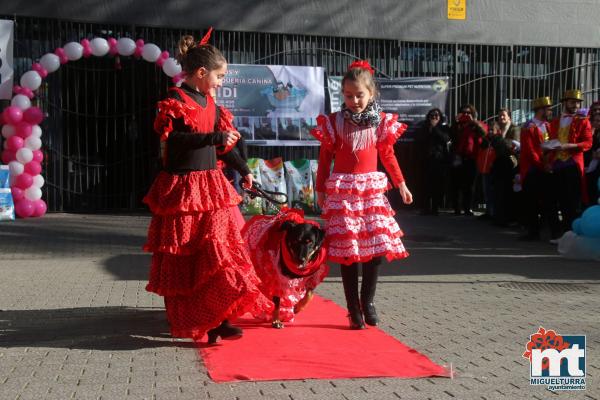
x: 370, y: 273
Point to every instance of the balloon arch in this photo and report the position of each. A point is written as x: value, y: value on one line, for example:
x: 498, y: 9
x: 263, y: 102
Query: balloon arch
x: 20, y: 121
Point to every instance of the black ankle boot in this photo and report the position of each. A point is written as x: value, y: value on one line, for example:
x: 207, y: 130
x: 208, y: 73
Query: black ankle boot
x: 225, y: 331
x: 350, y: 280
x: 367, y: 291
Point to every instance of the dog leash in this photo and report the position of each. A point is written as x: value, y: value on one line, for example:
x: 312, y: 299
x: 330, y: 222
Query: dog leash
x: 257, y: 191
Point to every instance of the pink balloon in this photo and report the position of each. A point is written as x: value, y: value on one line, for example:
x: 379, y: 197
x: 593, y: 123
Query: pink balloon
x: 17, y: 193
x: 24, y: 208
x: 8, y: 156
x: 23, y: 129
x: 38, y: 156
x: 33, y: 115
x: 14, y: 143
x: 40, y: 208
x: 33, y: 168
x: 37, y: 67
x: 23, y: 181
x: 12, y: 115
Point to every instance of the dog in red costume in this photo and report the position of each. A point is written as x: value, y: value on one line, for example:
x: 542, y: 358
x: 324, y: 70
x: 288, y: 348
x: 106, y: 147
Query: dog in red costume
x: 289, y: 257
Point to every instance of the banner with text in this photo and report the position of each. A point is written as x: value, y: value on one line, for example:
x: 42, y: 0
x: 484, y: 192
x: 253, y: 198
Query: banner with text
x: 410, y: 98
x: 274, y: 104
x: 6, y: 58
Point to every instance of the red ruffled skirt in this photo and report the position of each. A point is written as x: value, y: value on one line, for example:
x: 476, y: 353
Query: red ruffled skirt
x: 360, y: 223
x: 199, y: 262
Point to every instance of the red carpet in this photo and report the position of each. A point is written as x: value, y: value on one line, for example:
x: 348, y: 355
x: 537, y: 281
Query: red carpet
x: 318, y: 345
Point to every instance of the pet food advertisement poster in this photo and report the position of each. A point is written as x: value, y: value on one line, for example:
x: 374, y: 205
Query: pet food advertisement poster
x: 410, y: 98
x: 274, y: 104
x: 6, y: 58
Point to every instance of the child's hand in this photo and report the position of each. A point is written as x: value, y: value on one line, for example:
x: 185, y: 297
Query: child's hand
x: 248, y: 179
x: 230, y: 138
x: 406, y: 195
x: 321, y: 199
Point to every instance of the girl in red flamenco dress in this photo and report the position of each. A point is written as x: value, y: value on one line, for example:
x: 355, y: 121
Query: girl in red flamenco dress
x: 360, y: 224
x: 199, y: 262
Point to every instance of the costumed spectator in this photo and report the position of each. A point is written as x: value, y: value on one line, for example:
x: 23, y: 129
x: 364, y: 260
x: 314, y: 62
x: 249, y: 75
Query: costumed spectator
x: 199, y: 263
x: 505, y: 142
x: 534, y: 168
x: 572, y: 134
x: 360, y: 227
x: 467, y: 134
x: 592, y: 160
x: 434, y: 139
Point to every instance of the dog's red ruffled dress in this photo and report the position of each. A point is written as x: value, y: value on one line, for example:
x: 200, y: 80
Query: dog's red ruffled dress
x: 264, y: 239
x: 199, y: 262
x: 360, y: 221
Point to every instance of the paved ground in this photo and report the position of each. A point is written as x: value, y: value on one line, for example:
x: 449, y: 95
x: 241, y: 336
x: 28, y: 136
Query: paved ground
x: 77, y: 323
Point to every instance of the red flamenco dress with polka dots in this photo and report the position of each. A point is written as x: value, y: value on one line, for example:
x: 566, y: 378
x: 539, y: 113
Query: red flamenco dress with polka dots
x: 360, y: 223
x: 199, y: 262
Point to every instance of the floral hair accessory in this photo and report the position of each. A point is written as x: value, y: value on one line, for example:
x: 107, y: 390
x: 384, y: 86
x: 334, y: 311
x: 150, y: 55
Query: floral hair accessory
x: 363, y: 64
x: 206, y: 37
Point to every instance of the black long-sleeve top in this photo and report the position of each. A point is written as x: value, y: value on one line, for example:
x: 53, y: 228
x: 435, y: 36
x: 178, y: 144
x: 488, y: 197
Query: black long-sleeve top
x: 190, y: 151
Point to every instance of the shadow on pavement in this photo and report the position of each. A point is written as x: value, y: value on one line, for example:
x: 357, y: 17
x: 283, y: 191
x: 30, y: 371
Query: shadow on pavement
x: 135, y: 267
x: 101, y: 328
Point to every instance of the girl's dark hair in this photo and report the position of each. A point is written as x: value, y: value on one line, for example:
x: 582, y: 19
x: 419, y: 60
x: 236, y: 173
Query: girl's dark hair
x: 193, y: 56
x: 436, y: 110
x: 361, y: 75
x: 506, y: 110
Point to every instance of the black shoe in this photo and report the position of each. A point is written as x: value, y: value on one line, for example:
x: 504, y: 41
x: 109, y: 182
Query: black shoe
x: 468, y: 213
x: 370, y: 314
x: 225, y: 331
x: 355, y: 319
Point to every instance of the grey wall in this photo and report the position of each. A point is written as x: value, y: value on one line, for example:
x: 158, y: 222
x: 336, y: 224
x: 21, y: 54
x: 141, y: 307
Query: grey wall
x: 527, y: 22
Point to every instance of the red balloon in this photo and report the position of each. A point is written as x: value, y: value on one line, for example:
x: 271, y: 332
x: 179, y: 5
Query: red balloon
x: 33, y: 168
x: 24, y: 208
x: 17, y: 193
x: 8, y: 156
x: 39, y: 208
x: 14, y: 143
x: 33, y: 115
x: 23, y: 129
x: 23, y: 181
x: 12, y: 115
x: 38, y: 156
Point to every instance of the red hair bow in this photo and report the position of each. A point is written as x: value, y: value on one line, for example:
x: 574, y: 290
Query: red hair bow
x: 206, y: 37
x: 364, y: 64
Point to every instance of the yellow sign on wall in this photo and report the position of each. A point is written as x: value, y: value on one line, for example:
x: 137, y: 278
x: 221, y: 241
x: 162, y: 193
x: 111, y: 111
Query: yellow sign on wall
x: 457, y: 9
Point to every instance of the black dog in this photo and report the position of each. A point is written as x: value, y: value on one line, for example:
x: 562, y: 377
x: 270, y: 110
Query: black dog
x: 289, y: 257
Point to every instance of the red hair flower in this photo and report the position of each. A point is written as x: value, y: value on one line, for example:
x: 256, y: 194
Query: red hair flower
x: 363, y: 64
x: 206, y: 37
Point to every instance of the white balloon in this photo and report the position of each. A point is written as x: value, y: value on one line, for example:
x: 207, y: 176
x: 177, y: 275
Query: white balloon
x: 8, y: 131
x: 31, y: 80
x: 126, y: 46
x: 33, y: 143
x: 16, y: 168
x: 21, y: 101
x: 150, y: 52
x: 38, y: 181
x: 73, y: 51
x: 36, y: 131
x: 99, y: 47
x: 171, y: 67
x: 33, y: 193
x: 24, y: 155
x: 50, y: 62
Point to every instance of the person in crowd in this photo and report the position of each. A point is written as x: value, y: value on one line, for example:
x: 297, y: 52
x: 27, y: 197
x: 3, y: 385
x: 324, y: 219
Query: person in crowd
x: 572, y: 134
x: 434, y: 138
x: 592, y: 168
x: 534, y: 168
x: 466, y: 134
x: 360, y: 227
x: 505, y: 142
x: 199, y: 262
